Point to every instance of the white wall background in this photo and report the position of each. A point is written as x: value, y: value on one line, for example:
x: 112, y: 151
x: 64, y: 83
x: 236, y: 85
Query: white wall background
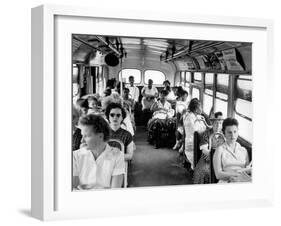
x: 15, y: 113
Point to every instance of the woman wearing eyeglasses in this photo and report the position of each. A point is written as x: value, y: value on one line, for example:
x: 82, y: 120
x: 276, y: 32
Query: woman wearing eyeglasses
x: 115, y: 114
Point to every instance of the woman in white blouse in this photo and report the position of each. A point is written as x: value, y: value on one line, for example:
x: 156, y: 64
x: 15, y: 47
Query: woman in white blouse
x: 231, y: 160
x: 97, y: 165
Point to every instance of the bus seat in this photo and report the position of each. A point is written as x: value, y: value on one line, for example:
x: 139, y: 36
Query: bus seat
x: 196, y: 148
x: 119, y: 144
x: 213, y: 178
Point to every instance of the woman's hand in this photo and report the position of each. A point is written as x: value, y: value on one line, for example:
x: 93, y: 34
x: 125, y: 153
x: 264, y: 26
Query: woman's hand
x: 234, y: 177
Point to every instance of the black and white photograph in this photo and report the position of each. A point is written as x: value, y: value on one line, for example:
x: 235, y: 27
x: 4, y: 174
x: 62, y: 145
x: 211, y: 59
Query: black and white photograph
x: 160, y: 112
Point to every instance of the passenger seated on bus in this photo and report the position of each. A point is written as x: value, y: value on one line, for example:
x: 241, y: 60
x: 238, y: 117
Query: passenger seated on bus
x: 162, y: 104
x: 171, y: 95
x: 128, y: 105
x: 107, y: 92
x: 128, y: 100
x: 231, y: 160
x: 97, y: 165
x: 210, y: 139
x: 82, y: 106
x: 115, y: 98
x: 94, y: 105
x: 181, y: 107
x: 133, y: 90
x: 192, y: 121
x: 76, y: 132
x: 115, y: 114
x: 149, y: 94
x: 112, y: 85
x: 118, y: 87
x: 162, y: 125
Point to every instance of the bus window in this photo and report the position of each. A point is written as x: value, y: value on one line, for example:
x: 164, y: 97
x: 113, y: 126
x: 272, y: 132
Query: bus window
x: 222, y: 79
x: 182, y: 77
x: 198, y: 76
x: 245, y: 128
x: 244, y: 107
x: 244, y: 88
x: 187, y: 80
x: 209, y: 80
x: 195, y: 93
x: 208, y: 103
x: 221, y: 103
x: 158, y: 77
x: 126, y: 73
x: 222, y: 83
x: 75, y: 74
x: 243, y: 113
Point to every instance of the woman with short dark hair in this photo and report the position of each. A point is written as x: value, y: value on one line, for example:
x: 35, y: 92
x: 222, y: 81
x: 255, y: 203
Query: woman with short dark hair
x: 115, y: 115
x: 231, y: 160
x: 97, y: 165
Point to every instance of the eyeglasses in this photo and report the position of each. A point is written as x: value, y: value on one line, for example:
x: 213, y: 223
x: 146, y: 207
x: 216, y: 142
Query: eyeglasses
x: 117, y: 115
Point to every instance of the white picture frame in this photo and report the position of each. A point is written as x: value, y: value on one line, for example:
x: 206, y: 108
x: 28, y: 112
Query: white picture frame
x: 52, y: 197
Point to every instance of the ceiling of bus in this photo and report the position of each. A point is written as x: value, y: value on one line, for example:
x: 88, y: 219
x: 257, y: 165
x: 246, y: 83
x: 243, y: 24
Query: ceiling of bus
x: 165, y: 50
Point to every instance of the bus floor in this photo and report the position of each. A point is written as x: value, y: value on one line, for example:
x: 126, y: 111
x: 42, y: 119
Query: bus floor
x: 155, y: 167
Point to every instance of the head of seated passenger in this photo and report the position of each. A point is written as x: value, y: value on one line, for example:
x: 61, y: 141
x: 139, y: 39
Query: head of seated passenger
x: 93, y: 102
x: 82, y: 106
x: 116, y: 98
x: 167, y: 84
x: 126, y: 92
x: 111, y: 83
x: 230, y: 130
x: 131, y: 80
x: 163, y: 95
x: 195, y: 106
x: 183, y: 95
x: 217, y: 121
x: 107, y: 92
x: 115, y: 114
x: 94, y: 129
x: 150, y: 83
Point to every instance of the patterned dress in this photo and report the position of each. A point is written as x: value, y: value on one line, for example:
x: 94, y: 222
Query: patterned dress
x: 202, y: 171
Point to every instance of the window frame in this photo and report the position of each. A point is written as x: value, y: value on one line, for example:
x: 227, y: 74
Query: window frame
x: 136, y: 83
x: 143, y: 76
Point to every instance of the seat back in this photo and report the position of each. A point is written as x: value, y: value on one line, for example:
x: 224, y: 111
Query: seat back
x: 196, y: 148
x: 116, y: 144
x: 119, y: 144
x: 212, y: 175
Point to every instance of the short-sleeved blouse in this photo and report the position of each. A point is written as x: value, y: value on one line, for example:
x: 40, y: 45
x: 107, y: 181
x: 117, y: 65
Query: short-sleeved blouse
x: 233, y: 160
x: 98, y: 172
